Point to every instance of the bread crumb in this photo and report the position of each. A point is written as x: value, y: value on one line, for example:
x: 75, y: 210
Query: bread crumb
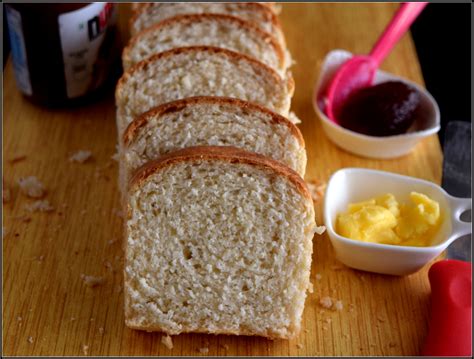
x: 30, y: 340
x: 225, y: 346
x: 311, y: 288
x: 318, y: 276
x: 31, y: 187
x: 293, y: 118
x: 17, y: 158
x: 116, y: 155
x: 203, y: 350
x: 338, y: 305
x: 167, y: 342
x: 316, y: 189
x: 72, y: 319
x: 299, y: 346
x: 381, y: 320
x: 80, y: 156
x: 306, y: 330
x: 112, y: 241
x: 92, y: 281
x: 337, y: 267
x: 320, y: 229
x: 326, y: 302
x: 19, y: 318
x: 85, y: 349
x: 119, y: 289
x: 6, y: 195
x: 40, y: 206
x: 101, y: 330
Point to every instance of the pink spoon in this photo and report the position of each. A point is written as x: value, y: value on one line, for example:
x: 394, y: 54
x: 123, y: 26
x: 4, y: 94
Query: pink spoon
x: 359, y: 71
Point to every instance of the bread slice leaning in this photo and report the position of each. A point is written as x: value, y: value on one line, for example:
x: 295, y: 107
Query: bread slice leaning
x: 219, y: 240
x: 199, y: 71
x: 224, y: 31
x: 261, y: 15
x: 216, y: 121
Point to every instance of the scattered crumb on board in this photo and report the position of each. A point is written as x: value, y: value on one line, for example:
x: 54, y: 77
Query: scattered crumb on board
x: 40, y: 206
x: 299, y: 346
x: 31, y: 187
x: 320, y: 229
x: 311, y: 288
x: 30, y: 340
x: 326, y: 302
x: 92, y: 281
x: 167, y: 342
x: 101, y: 330
x: 203, y: 350
x: 80, y: 156
x: 338, y: 305
x: 85, y: 349
x: 316, y: 189
x: 116, y: 155
x: 318, y: 276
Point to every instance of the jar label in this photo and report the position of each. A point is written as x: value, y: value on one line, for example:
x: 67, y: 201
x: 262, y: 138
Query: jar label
x: 86, y: 46
x: 17, y: 43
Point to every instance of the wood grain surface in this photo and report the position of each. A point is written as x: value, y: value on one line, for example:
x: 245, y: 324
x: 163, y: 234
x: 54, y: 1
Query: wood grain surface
x: 47, y: 308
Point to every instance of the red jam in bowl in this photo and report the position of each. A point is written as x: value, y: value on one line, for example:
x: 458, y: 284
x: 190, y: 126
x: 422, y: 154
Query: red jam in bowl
x: 386, y: 109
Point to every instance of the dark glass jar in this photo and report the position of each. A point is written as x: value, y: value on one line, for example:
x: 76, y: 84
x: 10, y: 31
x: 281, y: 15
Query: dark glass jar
x: 63, y: 54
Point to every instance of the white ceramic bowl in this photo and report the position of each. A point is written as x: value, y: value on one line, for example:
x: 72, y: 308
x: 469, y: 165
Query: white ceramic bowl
x: 351, y: 185
x: 371, y: 146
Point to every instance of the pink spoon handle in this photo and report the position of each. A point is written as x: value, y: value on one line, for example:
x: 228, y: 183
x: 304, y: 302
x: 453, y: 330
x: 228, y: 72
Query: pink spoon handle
x: 400, y: 23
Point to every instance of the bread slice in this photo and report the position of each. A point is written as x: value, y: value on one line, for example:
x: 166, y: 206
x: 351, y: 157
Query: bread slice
x: 217, y: 121
x: 261, y: 15
x: 218, y: 240
x: 224, y: 31
x: 199, y: 71
x: 138, y: 6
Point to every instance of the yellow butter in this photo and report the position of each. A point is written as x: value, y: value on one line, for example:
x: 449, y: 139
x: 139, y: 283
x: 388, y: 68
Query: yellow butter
x: 384, y: 220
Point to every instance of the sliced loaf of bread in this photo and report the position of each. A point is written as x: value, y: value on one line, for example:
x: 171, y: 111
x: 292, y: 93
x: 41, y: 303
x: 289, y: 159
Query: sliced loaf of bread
x: 262, y: 15
x: 199, y: 71
x: 218, y: 240
x: 215, y: 121
x: 224, y: 31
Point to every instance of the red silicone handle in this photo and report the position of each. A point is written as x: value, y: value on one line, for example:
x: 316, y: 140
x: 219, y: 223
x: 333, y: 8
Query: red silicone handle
x: 451, y: 309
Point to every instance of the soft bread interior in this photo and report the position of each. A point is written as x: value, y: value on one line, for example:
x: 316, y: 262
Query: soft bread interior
x: 217, y: 247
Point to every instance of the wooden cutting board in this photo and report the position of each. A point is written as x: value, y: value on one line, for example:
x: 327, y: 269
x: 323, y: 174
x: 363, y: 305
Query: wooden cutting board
x: 49, y: 311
